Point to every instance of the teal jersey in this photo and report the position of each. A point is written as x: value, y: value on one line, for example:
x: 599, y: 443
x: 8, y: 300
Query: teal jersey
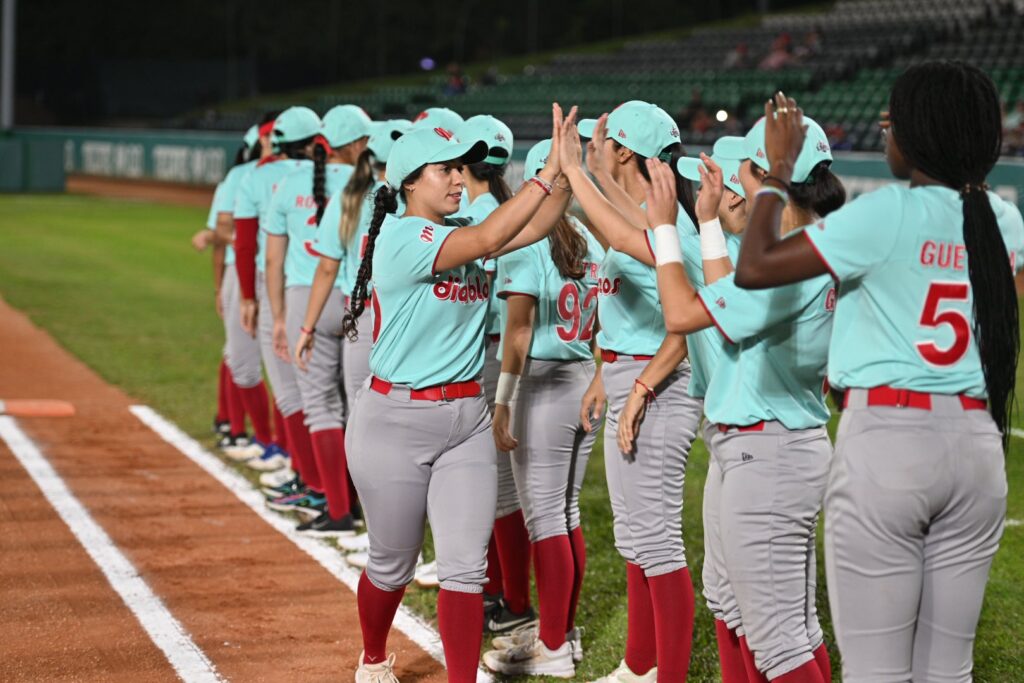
x: 211, y: 221
x: 774, y: 366
x: 904, y: 317
x: 476, y: 212
x: 563, y: 322
x: 629, y: 308
x: 255, y: 190
x: 224, y: 199
x: 293, y: 213
x: 429, y: 327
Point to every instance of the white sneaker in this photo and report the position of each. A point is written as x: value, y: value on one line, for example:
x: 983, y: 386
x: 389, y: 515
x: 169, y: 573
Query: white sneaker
x: 532, y: 658
x: 271, y: 480
x: 528, y: 632
x: 272, y: 458
x: 243, y: 449
x: 358, y: 560
x: 622, y: 674
x: 426, y: 575
x: 355, y: 544
x: 376, y: 673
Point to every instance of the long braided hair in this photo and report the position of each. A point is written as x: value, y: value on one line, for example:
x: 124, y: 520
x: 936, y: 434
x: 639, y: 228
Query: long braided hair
x: 320, y: 177
x: 946, y: 121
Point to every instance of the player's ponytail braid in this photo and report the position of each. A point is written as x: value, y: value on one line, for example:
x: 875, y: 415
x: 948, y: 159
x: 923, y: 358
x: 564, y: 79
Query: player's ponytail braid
x: 320, y: 177
x: 495, y: 177
x: 568, y: 249
x: 384, y: 202
x: 946, y: 121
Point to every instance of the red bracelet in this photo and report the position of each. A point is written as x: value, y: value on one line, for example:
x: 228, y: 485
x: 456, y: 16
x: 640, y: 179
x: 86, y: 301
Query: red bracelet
x: 306, y: 330
x: 650, y: 392
x: 545, y: 188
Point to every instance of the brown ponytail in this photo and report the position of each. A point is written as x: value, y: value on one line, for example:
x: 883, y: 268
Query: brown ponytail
x: 568, y: 249
x: 354, y: 194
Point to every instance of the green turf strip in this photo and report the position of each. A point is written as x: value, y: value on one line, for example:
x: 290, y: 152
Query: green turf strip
x: 118, y: 285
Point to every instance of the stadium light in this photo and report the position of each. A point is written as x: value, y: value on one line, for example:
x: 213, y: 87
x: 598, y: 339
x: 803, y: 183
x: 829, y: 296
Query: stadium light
x: 722, y: 116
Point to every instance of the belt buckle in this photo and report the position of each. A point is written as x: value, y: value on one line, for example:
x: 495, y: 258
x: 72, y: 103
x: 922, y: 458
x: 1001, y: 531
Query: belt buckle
x: 444, y: 394
x: 902, y: 398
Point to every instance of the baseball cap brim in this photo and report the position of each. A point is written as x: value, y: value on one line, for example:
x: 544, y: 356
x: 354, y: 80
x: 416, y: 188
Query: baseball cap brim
x: 468, y: 152
x: 689, y: 168
x: 731, y: 147
x: 586, y: 127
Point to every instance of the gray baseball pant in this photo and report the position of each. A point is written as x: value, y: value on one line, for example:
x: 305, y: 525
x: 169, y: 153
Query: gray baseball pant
x: 243, y: 351
x: 320, y: 385
x: 508, y: 497
x: 915, y: 507
x: 355, y: 355
x: 551, y: 460
x: 771, y: 493
x: 718, y: 593
x: 281, y: 374
x: 646, y: 487
x: 413, y: 461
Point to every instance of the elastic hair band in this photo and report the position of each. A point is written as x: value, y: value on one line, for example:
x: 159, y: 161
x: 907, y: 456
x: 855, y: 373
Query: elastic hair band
x: 969, y: 188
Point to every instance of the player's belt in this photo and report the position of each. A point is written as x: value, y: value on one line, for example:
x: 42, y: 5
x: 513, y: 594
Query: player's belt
x: 612, y: 356
x: 905, y: 398
x: 756, y: 427
x: 441, y: 392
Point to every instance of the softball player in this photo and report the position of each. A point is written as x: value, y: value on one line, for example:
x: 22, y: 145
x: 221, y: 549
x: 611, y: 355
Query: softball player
x: 295, y: 211
x: 418, y: 436
x: 293, y: 134
x: 767, y: 402
x: 926, y: 337
x: 550, y: 289
x: 645, y: 486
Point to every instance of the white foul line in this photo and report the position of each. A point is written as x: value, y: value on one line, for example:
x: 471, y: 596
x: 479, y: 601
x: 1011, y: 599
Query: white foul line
x: 1019, y: 433
x: 188, y: 661
x: 329, y: 558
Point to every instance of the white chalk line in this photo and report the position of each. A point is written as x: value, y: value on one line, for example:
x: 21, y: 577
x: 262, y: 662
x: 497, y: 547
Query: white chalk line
x: 167, y: 633
x: 1019, y: 433
x: 328, y: 557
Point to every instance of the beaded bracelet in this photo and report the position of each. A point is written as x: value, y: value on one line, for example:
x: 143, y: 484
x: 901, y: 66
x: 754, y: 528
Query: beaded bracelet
x: 773, y: 190
x: 544, y: 185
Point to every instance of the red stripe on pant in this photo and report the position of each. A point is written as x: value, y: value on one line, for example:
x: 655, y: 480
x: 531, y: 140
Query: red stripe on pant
x: 223, y: 414
x: 513, y: 543
x: 257, y: 406
x: 329, y: 451
x: 301, y: 451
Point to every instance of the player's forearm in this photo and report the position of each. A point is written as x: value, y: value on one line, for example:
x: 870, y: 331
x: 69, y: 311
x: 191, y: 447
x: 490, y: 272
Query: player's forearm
x: 621, y: 235
x: 222, y: 234
x: 621, y: 200
x: 518, y: 334
x: 544, y: 221
x: 323, y: 283
x: 670, y: 354
x: 218, y: 264
x: 276, y: 247
x: 684, y: 313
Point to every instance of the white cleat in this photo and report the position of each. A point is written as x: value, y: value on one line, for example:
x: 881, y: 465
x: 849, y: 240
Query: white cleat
x: 358, y: 560
x: 426, y: 575
x: 271, y: 480
x: 532, y: 658
x: 270, y: 460
x: 623, y: 675
x: 243, y: 449
x: 355, y: 544
x: 528, y: 632
x: 376, y: 673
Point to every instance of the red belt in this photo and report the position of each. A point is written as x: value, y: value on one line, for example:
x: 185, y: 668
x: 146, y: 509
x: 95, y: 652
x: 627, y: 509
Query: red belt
x: 441, y: 392
x: 348, y: 302
x: 611, y: 356
x: 756, y: 427
x: 905, y: 398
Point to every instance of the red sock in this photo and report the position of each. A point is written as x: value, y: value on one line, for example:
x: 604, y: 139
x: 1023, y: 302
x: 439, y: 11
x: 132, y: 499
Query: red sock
x: 513, y: 543
x: 302, y: 451
x: 553, y: 565
x: 376, y: 612
x: 729, y: 655
x: 641, y: 646
x: 673, y: 601
x: 222, y: 392
x: 280, y: 431
x: 824, y: 664
x: 460, y: 619
x: 257, y: 408
x: 579, y: 561
x: 807, y: 673
x: 494, y: 582
x: 753, y: 675
x: 236, y: 408
x: 329, y: 451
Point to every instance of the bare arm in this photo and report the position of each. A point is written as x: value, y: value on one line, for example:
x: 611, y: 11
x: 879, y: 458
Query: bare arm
x: 323, y: 283
x: 670, y: 354
x: 543, y: 222
x: 223, y: 234
x: 276, y: 245
x: 516, y: 340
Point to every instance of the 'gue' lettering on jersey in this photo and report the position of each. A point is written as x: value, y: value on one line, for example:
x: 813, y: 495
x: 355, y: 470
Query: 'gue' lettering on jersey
x: 477, y: 290
x: 609, y: 287
x: 945, y: 255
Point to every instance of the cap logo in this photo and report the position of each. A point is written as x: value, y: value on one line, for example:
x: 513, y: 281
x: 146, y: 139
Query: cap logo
x: 821, y: 225
x: 760, y: 153
x: 446, y: 134
x: 499, y: 137
x: 622, y: 134
x: 674, y: 132
x: 734, y: 179
x: 822, y: 146
x: 720, y: 302
x: 422, y: 115
x: 427, y: 235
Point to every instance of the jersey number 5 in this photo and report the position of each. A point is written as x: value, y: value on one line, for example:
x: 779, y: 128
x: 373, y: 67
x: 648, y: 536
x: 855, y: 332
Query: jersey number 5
x: 571, y: 311
x: 932, y: 317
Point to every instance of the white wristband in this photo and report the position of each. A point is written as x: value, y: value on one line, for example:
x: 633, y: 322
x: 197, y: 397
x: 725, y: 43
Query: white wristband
x: 712, y: 241
x: 666, y: 245
x: 508, y: 389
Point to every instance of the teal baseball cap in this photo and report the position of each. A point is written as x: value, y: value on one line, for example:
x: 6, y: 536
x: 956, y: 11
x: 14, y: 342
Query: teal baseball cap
x: 437, y: 117
x: 429, y: 146
x: 296, y: 123
x: 645, y: 128
x: 345, y: 123
x: 688, y: 167
x: 251, y: 136
x: 536, y: 159
x: 383, y: 135
x: 496, y: 134
x: 751, y: 146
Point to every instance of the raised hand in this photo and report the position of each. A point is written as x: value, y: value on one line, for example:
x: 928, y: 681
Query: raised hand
x: 712, y: 186
x: 784, y: 135
x: 662, y: 205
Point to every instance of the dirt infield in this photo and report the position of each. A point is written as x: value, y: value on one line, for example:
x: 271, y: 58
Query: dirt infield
x: 147, y: 190
x: 257, y: 606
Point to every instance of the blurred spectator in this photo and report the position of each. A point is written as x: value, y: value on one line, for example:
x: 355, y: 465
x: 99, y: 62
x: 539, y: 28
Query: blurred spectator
x: 738, y: 58
x: 695, y: 116
x: 1013, y: 129
x: 456, y: 83
x: 811, y: 47
x: 781, y: 54
x: 490, y: 76
x: 837, y: 137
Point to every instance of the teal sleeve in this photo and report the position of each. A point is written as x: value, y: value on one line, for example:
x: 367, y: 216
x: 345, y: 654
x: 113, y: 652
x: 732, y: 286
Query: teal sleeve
x: 743, y: 313
x: 211, y: 218
x: 851, y: 241
x: 518, y: 273
x: 1011, y: 225
x: 277, y: 213
x: 416, y: 253
x: 224, y: 200
x: 328, y: 238
x: 245, y: 201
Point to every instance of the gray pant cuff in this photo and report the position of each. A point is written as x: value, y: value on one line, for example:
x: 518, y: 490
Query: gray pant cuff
x: 506, y: 510
x: 794, y: 662
x: 550, y: 534
x: 458, y: 587
x: 383, y: 587
x: 735, y: 624
x: 662, y: 569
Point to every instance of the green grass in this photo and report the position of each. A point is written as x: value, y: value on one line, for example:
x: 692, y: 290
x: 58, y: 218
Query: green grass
x: 117, y: 284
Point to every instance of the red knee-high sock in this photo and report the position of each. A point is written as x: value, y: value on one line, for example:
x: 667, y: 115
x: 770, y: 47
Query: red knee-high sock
x: 302, y: 451
x: 807, y: 673
x: 494, y: 580
x: 753, y: 675
x: 236, y: 408
x: 222, y: 392
x: 579, y: 562
x: 552, y: 560
x: 730, y: 657
x: 460, y: 619
x: 641, y: 647
x: 672, y: 598
x: 824, y: 664
x: 376, y: 612
x: 513, y: 542
x: 257, y: 407
x: 329, y: 450
x: 280, y: 436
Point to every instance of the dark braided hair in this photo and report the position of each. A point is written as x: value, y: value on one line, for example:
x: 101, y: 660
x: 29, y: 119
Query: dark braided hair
x: 319, y: 178
x: 946, y: 121
x: 821, y: 193
x: 495, y: 177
